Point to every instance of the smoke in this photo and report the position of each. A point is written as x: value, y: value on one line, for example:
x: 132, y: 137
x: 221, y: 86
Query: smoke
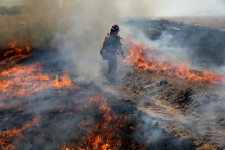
x: 189, y: 8
x: 77, y: 27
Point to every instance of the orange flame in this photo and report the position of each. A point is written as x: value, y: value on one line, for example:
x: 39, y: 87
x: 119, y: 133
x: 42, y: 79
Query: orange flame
x: 16, y: 53
x: 23, y: 81
x: 104, y: 136
x: 142, y: 61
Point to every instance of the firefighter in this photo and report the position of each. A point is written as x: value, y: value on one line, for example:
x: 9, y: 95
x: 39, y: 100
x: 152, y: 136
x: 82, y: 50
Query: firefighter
x: 111, y: 48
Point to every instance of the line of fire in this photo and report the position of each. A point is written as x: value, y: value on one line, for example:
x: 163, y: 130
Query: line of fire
x: 110, y: 75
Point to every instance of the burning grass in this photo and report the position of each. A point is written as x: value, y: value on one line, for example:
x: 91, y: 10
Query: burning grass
x: 15, y: 53
x: 23, y: 81
x: 138, y: 57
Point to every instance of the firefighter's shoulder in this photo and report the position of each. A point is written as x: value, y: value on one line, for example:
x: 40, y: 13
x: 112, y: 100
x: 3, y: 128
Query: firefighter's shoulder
x: 107, y: 35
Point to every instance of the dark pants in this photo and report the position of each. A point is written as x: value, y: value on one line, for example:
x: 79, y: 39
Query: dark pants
x: 112, y: 62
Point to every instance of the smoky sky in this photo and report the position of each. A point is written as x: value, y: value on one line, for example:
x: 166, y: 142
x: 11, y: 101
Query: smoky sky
x: 91, y: 19
x: 146, y: 8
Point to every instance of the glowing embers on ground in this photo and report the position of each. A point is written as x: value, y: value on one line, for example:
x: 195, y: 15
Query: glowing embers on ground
x: 106, y: 134
x: 138, y: 57
x: 23, y: 81
x: 8, y: 138
x: 16, y: 53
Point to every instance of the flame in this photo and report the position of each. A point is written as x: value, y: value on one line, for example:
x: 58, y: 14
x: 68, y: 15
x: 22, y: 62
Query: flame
x: 7, y: 138
x: 142, y: 61
x: 23, y: 81
x: 104, y: 136
x: 16, y: 53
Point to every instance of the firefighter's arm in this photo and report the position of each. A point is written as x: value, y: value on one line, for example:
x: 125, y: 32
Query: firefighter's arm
x: 122, y: 53
x: 121, y: 50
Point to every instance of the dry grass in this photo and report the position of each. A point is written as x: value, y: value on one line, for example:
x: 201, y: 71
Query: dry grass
x: 215, y: 22
x: 181, y: 83
x: 175, y: 111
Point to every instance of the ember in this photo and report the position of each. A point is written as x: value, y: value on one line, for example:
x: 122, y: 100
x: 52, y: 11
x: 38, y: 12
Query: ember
x: 142, y: 61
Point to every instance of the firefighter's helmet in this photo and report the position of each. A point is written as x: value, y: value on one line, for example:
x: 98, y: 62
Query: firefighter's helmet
x: 115, y: 27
